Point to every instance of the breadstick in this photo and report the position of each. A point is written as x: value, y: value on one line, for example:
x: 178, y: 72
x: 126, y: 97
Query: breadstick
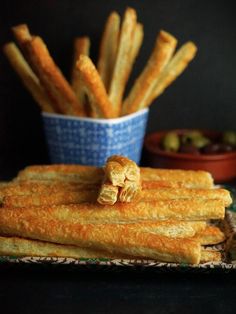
x: 136, y: 42
x: 55, y: 194
x: 22, y: 34
x: 210, y: 235
x: 122, y: 65
x: 143, y: 86
x: 23, y: 188
x: 132, y: 212
x: 108, y: 48
x: 188, y: 178
x: 29, y: 79
x: 210, y: 256
x: 132, y: 171
x: 13, y: 246
x: 185, y: 193
x: 66, y: 173
x: 175, y: 67
x: 46, y: 199
x: 52, y: 79
x: 150, y: 177
x: 81, y: 46
x: 95, y: 90
x: 108, y: 194
x: 111, y: 238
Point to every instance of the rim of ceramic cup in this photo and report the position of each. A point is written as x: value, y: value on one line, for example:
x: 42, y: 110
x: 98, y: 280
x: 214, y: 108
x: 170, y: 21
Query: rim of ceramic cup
x: 107, y: 121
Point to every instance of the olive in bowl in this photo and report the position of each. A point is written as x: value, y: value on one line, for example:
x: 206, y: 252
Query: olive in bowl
x: 211, y: 151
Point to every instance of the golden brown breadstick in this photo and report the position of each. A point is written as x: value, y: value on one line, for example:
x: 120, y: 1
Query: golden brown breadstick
x: 29, y: 79
x: 210, y: 235
x: 143, y: 86
x: 175, y: 67
x: 47, y: 199
x: 184, y: 193
x: 122, y: 65
x: 108, y: 194
x: 108, y: 48
x: 111, y: 238
x: 28, y: 187
x: 13, y: 246
x: 95, y: 90
x: 187, y: 178
x: 132, y: 171
x: 52, y: 79
x: 136, y: 42
x: 81, y: 46
x: 150, y: 177
x: 210, y: 256
x: 131, y: 212
x: 22, y: 34
x: 130, y: 191
x: 66, y: 173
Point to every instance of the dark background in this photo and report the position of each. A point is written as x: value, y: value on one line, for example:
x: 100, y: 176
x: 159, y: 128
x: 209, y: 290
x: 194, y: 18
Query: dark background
x: 204, y: 96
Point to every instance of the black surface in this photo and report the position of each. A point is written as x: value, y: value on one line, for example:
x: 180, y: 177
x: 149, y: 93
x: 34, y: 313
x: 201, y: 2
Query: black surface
x: 204, y: 96
x: 32, y: 291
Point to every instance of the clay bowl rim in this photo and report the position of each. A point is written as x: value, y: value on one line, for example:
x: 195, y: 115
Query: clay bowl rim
x: 155, y: 137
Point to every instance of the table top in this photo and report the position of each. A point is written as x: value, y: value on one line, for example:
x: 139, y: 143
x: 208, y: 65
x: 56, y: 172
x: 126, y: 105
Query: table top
x: 43, y: 291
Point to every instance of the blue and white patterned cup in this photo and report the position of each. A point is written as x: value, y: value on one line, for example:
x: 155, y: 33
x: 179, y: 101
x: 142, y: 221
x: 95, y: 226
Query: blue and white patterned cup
x: 90, y: 141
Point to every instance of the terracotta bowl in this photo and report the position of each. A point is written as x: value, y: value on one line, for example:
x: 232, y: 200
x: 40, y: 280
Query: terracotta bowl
x: 222, y: 166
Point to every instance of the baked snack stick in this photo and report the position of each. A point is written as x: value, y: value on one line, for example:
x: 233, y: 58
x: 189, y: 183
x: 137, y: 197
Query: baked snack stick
x: 81, y: 46
x: 122, y: 65
x: 143, y: 86
x: 14, y: 246
x: 130, y: 191
x: 101, y: 107
x: 94, y: 213
x: 22, y: 35
x: 28, y: 78
x: 132, y: 171
x: 44, y: 199
x: 190, y: 178
x: 174, y: 68
x: 137, y: 41
x: 29, y: 187
x: 52, y: 79
x: 108, y: 48
x: 210, y: 256
x: 210, y: 235
x: 108, y: 194
x: 61, y: 172
x: 110, y: 238
x: 185, y: 193
x: 90, y: 174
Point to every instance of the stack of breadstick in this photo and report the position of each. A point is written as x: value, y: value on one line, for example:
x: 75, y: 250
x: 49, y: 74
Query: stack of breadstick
x: 54, y: 210
x: 98, y: 91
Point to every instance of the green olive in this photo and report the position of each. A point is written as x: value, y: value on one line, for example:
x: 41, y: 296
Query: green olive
x: 190, y: 136
x: 171, y: 142
x: 200, y: 141
x: 229, y: 137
